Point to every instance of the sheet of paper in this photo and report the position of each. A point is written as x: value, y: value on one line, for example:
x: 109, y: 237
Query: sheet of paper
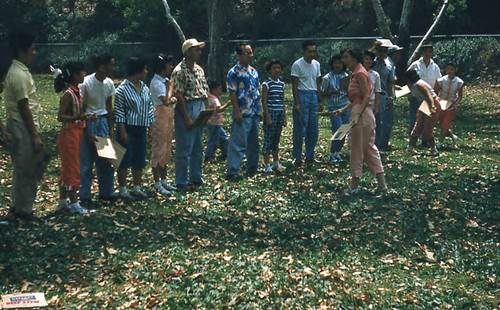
x: 424, y: 107
x: 445, y: 104
x: 112, y: 151
x: 23, y: 300
x: 341, y: 132
x: 403, y: 91
x: 203, y: 117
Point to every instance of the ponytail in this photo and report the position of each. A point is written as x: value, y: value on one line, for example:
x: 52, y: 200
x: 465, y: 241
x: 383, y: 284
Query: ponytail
x: 66, y: 77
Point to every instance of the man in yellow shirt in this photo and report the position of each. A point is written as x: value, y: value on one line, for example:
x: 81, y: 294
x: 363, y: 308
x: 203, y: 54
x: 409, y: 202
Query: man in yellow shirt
x: 23, y: 112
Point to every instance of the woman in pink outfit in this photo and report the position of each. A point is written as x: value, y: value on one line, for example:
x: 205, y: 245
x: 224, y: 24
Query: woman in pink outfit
x: 363, y: 147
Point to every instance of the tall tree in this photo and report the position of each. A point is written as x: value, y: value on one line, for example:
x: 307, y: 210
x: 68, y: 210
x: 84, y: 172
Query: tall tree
x: 173, y: 22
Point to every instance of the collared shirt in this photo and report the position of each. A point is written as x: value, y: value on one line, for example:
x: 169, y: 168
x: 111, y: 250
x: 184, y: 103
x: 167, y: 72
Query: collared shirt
x: 132, y: 107
x: 449, y: 88
x: 307, y: 73
x: 191, y: 84
x: 375, y: 79
x: 245, y: 83
x: 386, y: 72
x: 420, y: 95
x: 275, y: 94
x: 158, y: 87
x: 429, y: 73
x: 95, y: 94
x: 19, y: 85
x: 76, y: 107
x: 330, y: 82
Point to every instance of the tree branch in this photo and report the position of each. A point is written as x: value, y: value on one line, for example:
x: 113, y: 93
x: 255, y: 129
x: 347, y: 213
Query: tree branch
x: 383, y: 26
x: 173, y: 22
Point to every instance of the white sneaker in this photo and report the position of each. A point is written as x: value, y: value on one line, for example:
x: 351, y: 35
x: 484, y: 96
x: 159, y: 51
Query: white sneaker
x: 63, y: 206
x: 278, y: 166
x: 77, y: 208
x: 161, y: 190
x: 434, y: 152
x: 339, y: 158
x: 333, y: 158
x: 454, y: 139
x: 169, y: 187
x: 439, y: 145
x: 268, y: 169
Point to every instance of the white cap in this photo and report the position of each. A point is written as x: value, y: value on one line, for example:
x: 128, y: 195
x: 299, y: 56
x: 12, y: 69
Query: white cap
x: 191, y: 43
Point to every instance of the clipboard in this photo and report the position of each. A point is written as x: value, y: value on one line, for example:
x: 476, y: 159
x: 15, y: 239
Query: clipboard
x: 405, y: 90
x: 445, y: 104
x: 203, y: 117
x: 112, y: 151
x: 344, y: 83
x: 341, y: 132
x: 424, y: 108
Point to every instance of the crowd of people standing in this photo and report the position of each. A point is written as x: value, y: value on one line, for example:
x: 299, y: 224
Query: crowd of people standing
x: 359, y: 90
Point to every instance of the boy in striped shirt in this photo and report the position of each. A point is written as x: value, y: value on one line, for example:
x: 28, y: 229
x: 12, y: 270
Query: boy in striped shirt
x: 274, y: 113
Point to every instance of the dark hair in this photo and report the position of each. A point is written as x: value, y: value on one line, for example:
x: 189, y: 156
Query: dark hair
x: 371, y: 55
x: 159, y: 62
x: 134, y: 66
x: 354, y: 52
x: 99, y: 60
x: 336, y: 57
x: 212, y: 85
x: 273, y: 62
x: 238, y: 49
x: 20, y: 41
x: 452, y: 64
x: 426, y: 46
x: 68, y: 71
x: 308, y: 43
x: 412, y: 76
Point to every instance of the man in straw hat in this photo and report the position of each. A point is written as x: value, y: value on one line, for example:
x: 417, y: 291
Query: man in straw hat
x: 191, y: 89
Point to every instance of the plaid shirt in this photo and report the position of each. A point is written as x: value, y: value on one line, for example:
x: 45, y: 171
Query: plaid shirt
x: 192, y: 85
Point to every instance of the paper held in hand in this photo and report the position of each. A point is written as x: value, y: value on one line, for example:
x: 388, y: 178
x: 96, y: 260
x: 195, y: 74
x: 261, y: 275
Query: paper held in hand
x: 341, y: 132
x: 403, y: 91
x: 424, y: 108
x: 23, y: 300
x: 445, y: 104
x: 112, y: 151
x: 203, y: 117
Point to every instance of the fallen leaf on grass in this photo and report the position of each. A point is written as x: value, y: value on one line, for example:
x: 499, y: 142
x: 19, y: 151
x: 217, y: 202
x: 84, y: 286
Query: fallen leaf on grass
x: 267, y: 274
x: 195, y: 276
x: 111, y: 251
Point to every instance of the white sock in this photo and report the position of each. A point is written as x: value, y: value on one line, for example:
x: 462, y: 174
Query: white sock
x: 123, y: 190
x: 75, y: 205
x: 158, y: 184
x: 137, y: 188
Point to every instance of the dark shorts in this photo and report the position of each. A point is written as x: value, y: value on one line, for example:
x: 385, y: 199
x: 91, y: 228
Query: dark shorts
x: 135, y: 156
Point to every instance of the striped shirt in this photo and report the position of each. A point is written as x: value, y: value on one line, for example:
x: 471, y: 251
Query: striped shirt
x: 76, y: 108
x: 330, y: 82
x: 275, y: 94
x: 132, y: 107
x: 449, y: 89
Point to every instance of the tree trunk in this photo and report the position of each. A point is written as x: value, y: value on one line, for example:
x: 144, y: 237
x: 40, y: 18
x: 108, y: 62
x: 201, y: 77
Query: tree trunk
x: 214, y: 39
x: 430, y: 32
x: 383, y: 26
x: 403, y: 39
x: 174, y: 23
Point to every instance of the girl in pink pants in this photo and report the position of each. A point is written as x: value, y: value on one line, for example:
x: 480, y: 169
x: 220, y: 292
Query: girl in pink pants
x: 363, y: 147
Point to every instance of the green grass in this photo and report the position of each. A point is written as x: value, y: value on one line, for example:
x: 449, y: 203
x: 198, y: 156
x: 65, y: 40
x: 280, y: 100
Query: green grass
x: 291, y: 240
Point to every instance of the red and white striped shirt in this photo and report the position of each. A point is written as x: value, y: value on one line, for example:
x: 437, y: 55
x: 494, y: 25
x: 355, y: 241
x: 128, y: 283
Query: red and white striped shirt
x: 76, y: 108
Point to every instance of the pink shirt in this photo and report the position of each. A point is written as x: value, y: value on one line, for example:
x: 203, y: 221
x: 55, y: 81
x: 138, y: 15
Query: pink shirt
x: 354, y: 91
x: 214, y: 103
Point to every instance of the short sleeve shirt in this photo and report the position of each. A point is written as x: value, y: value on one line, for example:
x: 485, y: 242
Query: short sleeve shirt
x: 95, y: 94
x: 158, y: 88
x: 19, y: 85
x: 275, y: 94
x: 429, y: 73
x: 245, y: 83
x: 191, y: 84
x: 418, y: 94
x: 132, y: 107
x: 449, y: 88
x: 375, y: 79
x: 330, y: 82
x: 386, y: 72
x: 213, y: 103
x: 307, y: 73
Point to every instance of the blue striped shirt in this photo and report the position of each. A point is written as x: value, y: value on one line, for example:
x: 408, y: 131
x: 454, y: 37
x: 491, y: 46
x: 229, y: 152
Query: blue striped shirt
x: 275, y: 94
x: 132, y: 107
x: 330, y: 82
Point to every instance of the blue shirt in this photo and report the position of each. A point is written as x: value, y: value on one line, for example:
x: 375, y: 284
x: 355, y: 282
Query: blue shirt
x: 330, y: 82
x: 132, y: 107
x: 275, y: 94
x: 386, y: 71
x: 245, y: 83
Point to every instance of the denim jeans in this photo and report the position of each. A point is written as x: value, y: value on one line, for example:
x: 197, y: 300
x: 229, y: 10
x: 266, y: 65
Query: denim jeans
x: 305, y: 125
x: 189, y: 145
x: 88, y: 156
x: 337, y: 121
x: 414, y: 105
x: 244, y: 141
x: 217, y: 137
x: 384, y: 123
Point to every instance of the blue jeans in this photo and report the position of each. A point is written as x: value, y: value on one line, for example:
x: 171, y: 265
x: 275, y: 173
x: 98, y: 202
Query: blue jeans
x: 189, y: 145
x: 244, y: 141
x: 337, y: 121
x: 384, y: 123
x: 305, y: 125
x: 88, y: 155
x: 414, y: 105
x: 217, y: 137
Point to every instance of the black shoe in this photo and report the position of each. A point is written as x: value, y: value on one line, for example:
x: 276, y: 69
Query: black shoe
x: 30, y: 217
x: 181, y: 187
x: 87, y: 203
x: 298, y: 162
x: 197, y: 183
x: 139, y: 195
x: 312, y: 161
x: 222, y: 158
x: 234, y: 177
x: 108, y: 199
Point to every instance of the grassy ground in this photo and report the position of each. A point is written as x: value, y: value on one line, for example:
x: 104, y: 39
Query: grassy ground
x: 283, y: 241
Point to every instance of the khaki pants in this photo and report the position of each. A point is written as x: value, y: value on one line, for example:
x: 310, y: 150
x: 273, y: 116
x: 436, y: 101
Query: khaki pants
x: 28, y: 168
